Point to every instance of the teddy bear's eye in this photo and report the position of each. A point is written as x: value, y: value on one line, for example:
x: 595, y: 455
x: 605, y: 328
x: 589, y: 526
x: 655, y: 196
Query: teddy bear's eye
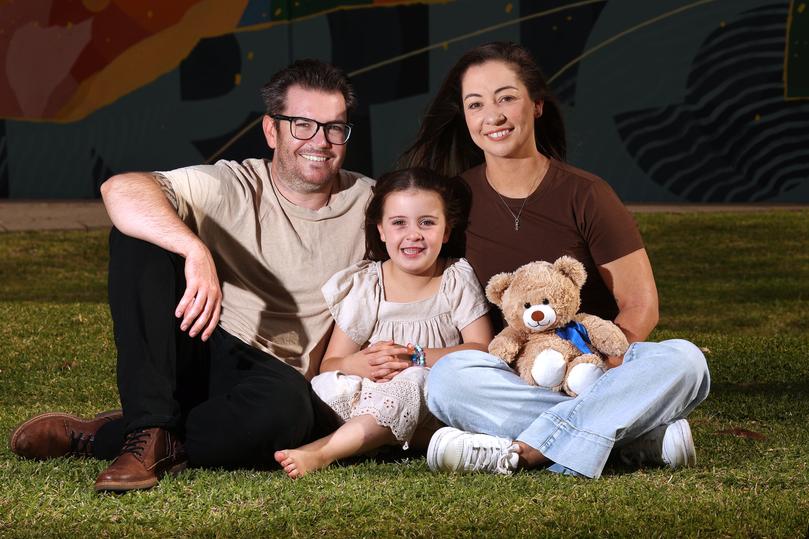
x: 545, y: 301
x: 527, y: 305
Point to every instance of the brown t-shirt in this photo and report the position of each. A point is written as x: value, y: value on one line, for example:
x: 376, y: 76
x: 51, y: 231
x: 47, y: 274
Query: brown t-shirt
x: 571, y: 213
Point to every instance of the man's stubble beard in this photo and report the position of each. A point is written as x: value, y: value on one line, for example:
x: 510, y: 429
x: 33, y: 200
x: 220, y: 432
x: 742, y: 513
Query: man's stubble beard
x: 294, y: 181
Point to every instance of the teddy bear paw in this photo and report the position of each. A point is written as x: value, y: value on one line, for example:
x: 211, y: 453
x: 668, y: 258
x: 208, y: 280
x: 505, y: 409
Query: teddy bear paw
x: 548, y: 369
x: 581, y: 377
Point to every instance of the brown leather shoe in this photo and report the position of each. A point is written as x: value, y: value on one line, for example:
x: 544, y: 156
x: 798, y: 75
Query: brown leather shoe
x: 56, y: 434
x: 147, y: 455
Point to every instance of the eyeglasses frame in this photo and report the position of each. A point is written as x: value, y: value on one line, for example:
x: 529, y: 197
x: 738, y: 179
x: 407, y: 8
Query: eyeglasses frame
x: 320, y: 125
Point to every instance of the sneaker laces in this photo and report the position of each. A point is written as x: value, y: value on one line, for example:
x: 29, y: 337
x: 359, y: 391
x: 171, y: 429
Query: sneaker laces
x: 135, y: 443
x: 489, y: 457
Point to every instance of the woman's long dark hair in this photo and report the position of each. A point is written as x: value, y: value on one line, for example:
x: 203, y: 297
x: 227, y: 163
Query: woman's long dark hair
x: 443, y: 142
x: 453, y: 196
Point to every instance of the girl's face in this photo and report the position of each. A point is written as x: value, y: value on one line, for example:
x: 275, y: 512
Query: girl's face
x: 414, y: 227
x: 499, y: 111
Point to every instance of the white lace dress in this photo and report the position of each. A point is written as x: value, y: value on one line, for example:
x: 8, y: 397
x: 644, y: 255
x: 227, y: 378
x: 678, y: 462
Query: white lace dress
x: 356, y: 298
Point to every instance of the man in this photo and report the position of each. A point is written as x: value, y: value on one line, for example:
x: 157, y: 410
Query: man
x: 253, y: 241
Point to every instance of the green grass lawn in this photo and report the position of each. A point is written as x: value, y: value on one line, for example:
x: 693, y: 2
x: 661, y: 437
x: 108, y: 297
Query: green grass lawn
x: 736, y: 284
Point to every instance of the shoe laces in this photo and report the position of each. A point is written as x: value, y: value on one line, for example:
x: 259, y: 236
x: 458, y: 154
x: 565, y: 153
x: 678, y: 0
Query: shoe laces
x: 81, y: 443
x: 135, y: 442
x: 488, y: 456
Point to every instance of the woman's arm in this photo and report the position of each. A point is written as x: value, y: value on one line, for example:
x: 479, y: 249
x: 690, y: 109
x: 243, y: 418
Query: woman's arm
x: 631, y: 281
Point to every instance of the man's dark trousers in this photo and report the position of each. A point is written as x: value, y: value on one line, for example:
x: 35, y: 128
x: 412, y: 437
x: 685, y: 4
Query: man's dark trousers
x: 232, y: 404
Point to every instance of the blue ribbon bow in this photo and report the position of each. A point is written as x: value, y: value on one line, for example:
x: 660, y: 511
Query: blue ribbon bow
x: 577, y: 334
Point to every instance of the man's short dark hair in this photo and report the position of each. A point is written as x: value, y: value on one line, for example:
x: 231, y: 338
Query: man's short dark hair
x: 310, y: 74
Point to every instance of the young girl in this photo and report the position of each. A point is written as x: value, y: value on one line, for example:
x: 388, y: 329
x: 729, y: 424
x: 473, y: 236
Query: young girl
x: 396, y: 315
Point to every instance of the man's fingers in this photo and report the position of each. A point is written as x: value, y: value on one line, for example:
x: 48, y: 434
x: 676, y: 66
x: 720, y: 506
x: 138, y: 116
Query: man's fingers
x: 193, y: 311
x: 185, y: 301
x: 214, y: 320
x: 201, y: 319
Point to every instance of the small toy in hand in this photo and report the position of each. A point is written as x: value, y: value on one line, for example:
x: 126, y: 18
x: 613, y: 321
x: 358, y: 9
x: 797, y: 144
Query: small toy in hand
x: 554, y: 346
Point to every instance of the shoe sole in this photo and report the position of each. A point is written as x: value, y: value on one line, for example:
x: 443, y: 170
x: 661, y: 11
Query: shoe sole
x: 12, y: 439
x: 119, y: 486
x: 432, y: 448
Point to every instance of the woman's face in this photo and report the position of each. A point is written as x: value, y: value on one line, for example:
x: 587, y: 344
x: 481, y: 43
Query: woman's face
x: 499, y: 111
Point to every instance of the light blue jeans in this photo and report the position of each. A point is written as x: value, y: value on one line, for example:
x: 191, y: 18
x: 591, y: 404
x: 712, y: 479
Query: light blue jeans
x: 656, y: 384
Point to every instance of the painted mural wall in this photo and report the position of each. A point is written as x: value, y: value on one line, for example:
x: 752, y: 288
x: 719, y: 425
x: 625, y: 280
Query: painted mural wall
x: 669, y: 100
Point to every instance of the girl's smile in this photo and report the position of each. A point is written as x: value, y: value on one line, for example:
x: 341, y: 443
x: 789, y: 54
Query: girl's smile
x: 414, y: 228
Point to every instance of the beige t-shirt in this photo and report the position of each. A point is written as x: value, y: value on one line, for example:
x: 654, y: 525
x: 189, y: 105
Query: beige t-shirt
x: 271, y: 255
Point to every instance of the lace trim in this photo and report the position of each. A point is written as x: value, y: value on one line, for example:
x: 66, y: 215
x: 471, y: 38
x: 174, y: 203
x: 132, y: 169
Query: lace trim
x: 397, y: 405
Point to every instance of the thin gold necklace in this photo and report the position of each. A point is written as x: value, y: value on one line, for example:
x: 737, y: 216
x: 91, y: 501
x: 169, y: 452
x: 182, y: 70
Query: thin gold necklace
x: 516, y: 216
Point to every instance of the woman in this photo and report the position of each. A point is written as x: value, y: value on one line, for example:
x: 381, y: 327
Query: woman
x: 494, y: 122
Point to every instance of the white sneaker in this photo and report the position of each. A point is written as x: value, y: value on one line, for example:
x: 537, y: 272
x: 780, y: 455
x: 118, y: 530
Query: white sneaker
x: 671, y: 445
x: 453, y: 450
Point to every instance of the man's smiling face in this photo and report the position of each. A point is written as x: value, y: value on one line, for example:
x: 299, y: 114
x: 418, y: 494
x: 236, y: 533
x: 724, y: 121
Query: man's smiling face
x: 306, y: 166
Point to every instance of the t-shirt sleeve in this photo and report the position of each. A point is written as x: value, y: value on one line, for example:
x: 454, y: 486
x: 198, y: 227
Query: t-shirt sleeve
x: 203, y: 189
x: 464, y: 293
x: 606, y: 224
x: 353, y: 297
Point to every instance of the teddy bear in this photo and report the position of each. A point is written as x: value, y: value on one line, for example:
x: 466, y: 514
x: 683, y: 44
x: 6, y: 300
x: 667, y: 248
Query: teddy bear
x: 554, y: 346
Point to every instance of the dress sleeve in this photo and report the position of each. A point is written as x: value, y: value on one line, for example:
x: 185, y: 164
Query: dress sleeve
x: 353, y: 297
x: 464, y: 293
x: 606, y: 225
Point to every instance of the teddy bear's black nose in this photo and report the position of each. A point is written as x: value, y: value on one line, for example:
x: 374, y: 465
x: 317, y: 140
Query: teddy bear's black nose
x: 537, y: 316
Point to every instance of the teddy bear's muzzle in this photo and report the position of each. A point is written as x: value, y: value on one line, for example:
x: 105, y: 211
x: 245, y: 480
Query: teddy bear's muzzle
x: 538, y: 317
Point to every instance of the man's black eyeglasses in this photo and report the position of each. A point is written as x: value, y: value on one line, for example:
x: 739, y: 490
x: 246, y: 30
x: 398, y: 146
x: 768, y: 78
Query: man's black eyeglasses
x: 306, y: 128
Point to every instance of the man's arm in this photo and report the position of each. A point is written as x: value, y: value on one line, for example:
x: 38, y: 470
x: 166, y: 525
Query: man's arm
x: 139, y: 206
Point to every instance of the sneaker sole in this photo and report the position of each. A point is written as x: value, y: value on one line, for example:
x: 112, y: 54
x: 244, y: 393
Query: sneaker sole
x: 435, y: 443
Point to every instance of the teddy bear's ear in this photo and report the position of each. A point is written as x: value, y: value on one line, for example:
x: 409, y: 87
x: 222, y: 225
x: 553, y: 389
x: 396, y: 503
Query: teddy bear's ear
x: 497, y: 286
x: 572, y: 269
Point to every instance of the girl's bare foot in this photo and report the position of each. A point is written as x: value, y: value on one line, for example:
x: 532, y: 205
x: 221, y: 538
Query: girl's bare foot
x: 298, y: 462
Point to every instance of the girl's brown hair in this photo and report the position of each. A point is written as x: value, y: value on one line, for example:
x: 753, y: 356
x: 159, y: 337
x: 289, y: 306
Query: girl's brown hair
x: 454, y: 197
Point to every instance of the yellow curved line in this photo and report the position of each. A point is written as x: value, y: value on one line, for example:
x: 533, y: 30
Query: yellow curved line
x: 442, y: 44
x: 463, y: 37
x: 619, y: 35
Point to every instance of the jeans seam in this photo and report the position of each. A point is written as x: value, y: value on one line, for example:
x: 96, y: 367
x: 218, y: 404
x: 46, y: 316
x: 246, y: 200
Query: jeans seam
x: 563, y: 425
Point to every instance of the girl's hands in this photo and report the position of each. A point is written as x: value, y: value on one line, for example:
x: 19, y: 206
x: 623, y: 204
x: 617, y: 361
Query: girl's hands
x: 384, y: 360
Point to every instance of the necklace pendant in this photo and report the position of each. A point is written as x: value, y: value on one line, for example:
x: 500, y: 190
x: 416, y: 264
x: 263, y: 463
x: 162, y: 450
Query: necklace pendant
x: 516, y: 224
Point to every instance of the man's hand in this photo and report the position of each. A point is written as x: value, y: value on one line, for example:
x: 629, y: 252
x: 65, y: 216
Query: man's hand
x: 201, y: 303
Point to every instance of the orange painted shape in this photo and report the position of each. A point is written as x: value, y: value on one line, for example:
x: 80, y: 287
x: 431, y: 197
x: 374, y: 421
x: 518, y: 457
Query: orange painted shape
x: 163, y: 13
